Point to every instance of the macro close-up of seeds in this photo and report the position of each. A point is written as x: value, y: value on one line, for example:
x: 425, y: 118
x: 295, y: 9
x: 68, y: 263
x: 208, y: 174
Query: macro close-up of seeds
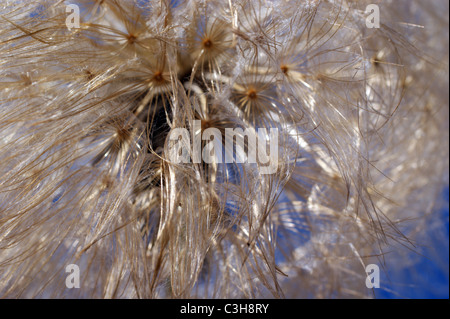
x: 223, y: 148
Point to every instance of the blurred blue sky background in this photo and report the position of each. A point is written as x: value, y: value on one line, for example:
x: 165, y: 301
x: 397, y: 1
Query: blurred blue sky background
x: 429, y: 277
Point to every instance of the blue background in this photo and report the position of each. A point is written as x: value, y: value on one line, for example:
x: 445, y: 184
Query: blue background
x: 429, y: 278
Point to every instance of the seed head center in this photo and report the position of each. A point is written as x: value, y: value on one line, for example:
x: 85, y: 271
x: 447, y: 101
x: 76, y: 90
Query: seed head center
x: 251, y: 93
x: 158, y: 77
x: 207, y: 43
x: 131, y: 38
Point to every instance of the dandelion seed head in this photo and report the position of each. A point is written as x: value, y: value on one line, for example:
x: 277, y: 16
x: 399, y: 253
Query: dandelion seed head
x: 86, y: 120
